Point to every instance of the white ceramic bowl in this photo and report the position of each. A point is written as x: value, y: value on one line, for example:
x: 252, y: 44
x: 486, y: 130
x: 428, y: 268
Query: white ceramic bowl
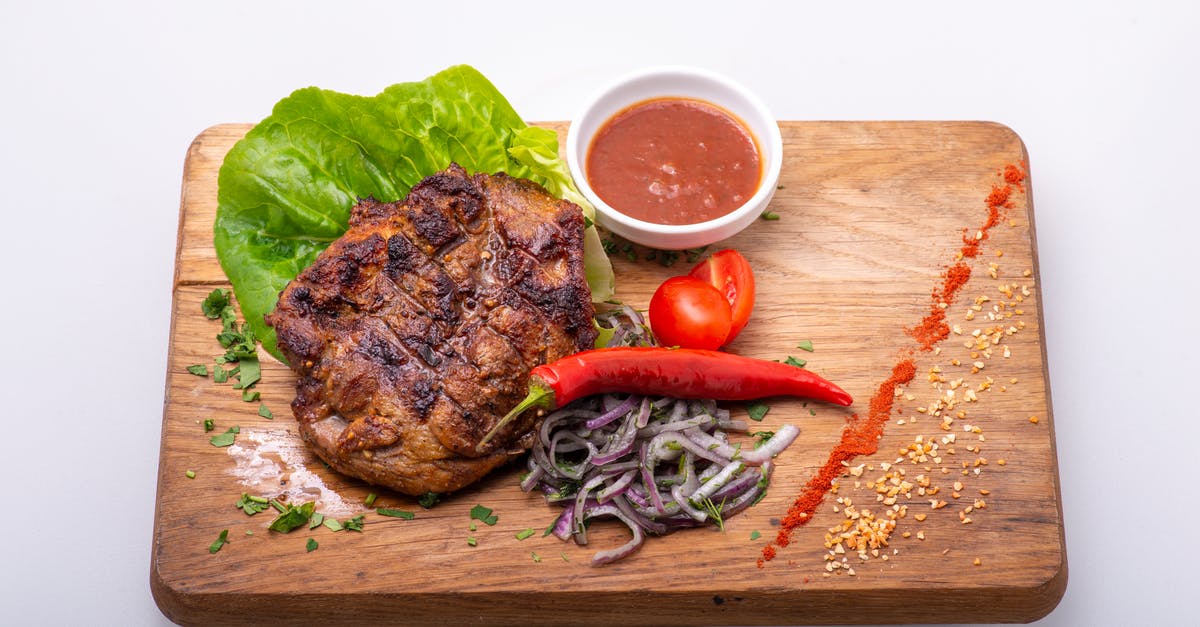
x: 682, y: 82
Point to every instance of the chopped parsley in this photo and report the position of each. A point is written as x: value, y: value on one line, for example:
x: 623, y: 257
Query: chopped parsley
x: 484, y: 515
x: 191, y: 474
x: 793, y: 361
x: 221, y: 541
x: 315, y: 520
x: 215, y: 303
x: 225, y: 439
x: 354, y: 524
x: 208, y: 424
x: 370, y: 500
x: 429, y: 499
x: 757, y: 410
x: 762, y: 437
x: 471, y: 541
x: 395, y: 513
x: 251, y: 504
x: 754, y: 535
x: 293, y: 517
x: 536, y: 558
x: 769, y: 215
x: 265, y: 413
x: 806, y: 345
x: 311, y: 545
x: 239, y: 343
x: 332, y: 524
x: 524, y: 533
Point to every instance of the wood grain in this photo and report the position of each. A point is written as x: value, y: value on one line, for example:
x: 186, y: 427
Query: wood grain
x: 871, y: 213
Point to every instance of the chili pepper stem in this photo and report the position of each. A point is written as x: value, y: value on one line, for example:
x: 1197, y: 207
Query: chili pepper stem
x: 539, y: 396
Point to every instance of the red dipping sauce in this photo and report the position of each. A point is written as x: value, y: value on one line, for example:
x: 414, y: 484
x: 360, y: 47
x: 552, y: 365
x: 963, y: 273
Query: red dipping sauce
x: 674, y: 161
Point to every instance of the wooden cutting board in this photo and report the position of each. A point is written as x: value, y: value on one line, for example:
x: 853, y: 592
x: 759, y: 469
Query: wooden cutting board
x: 871, y: 214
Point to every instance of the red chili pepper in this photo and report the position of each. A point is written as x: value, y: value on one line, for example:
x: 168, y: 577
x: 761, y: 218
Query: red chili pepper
x: 675, y: 372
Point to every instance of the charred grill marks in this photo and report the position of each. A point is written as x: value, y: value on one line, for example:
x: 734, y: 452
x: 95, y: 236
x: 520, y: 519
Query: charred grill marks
x: 415, y: 331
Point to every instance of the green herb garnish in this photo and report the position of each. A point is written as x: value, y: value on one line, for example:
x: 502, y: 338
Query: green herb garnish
x: 536, y: 558
x: 251, y: 504
x: 769, y: 215
x: 311, y: 545
x: 484, y: 515
x: 220, y: 375
x: 225, y: 439
x: 793, y: 361
x: 429, y: 499
x: 354, y: 524
x: 209, y: 424
x: 471, y: 541
x: 216, y: 301
x: 757, y: 410
x: 265, y: 413
x: 761, y: 437
x: 694, y: 254
x: 294, y: 517
x: 191, y: 474
x: 524, y: 533
x: 754, y: 535
x: 200, y: 370
x: 221, y: 541
x: 715, y: 512
x: 332, y: 524
x: 395, y: 513
x: 370, y: 500
x: 806, y: 345
x: 316, y: 520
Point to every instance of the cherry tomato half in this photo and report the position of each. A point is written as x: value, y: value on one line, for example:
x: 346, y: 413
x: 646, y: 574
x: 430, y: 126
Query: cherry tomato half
x: 689, y: 313
x: 729, y: 272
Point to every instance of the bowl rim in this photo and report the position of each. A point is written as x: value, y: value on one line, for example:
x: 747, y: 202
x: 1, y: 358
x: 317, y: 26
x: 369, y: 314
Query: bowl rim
x: 770, y: 146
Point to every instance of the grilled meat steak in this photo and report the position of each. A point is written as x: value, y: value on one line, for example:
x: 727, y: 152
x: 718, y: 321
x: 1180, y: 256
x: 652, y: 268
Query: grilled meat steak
x: 414, y: 333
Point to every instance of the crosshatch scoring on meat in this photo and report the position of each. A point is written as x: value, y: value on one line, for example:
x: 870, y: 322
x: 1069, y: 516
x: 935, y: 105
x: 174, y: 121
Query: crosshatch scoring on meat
x: 414, y: 333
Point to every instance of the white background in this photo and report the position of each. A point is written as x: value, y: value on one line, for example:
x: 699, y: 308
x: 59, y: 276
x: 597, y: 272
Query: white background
x: 98, y: 103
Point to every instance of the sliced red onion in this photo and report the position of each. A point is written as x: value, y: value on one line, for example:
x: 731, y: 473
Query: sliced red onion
x: 781, y: 440
x: 649, y: 524
x: 617, y: 412
x: 580, y: 504
x: 622, y: 444
x: 643, y: 417
x: 605, y: 557
x: 532, y: 478
x: 707, y: 489
x: 684, y: 504
x: 616, y: 487
x: 564, y: 526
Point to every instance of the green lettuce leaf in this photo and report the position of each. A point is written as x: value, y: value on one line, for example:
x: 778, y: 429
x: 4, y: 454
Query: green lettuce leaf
x: 285, y: 190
